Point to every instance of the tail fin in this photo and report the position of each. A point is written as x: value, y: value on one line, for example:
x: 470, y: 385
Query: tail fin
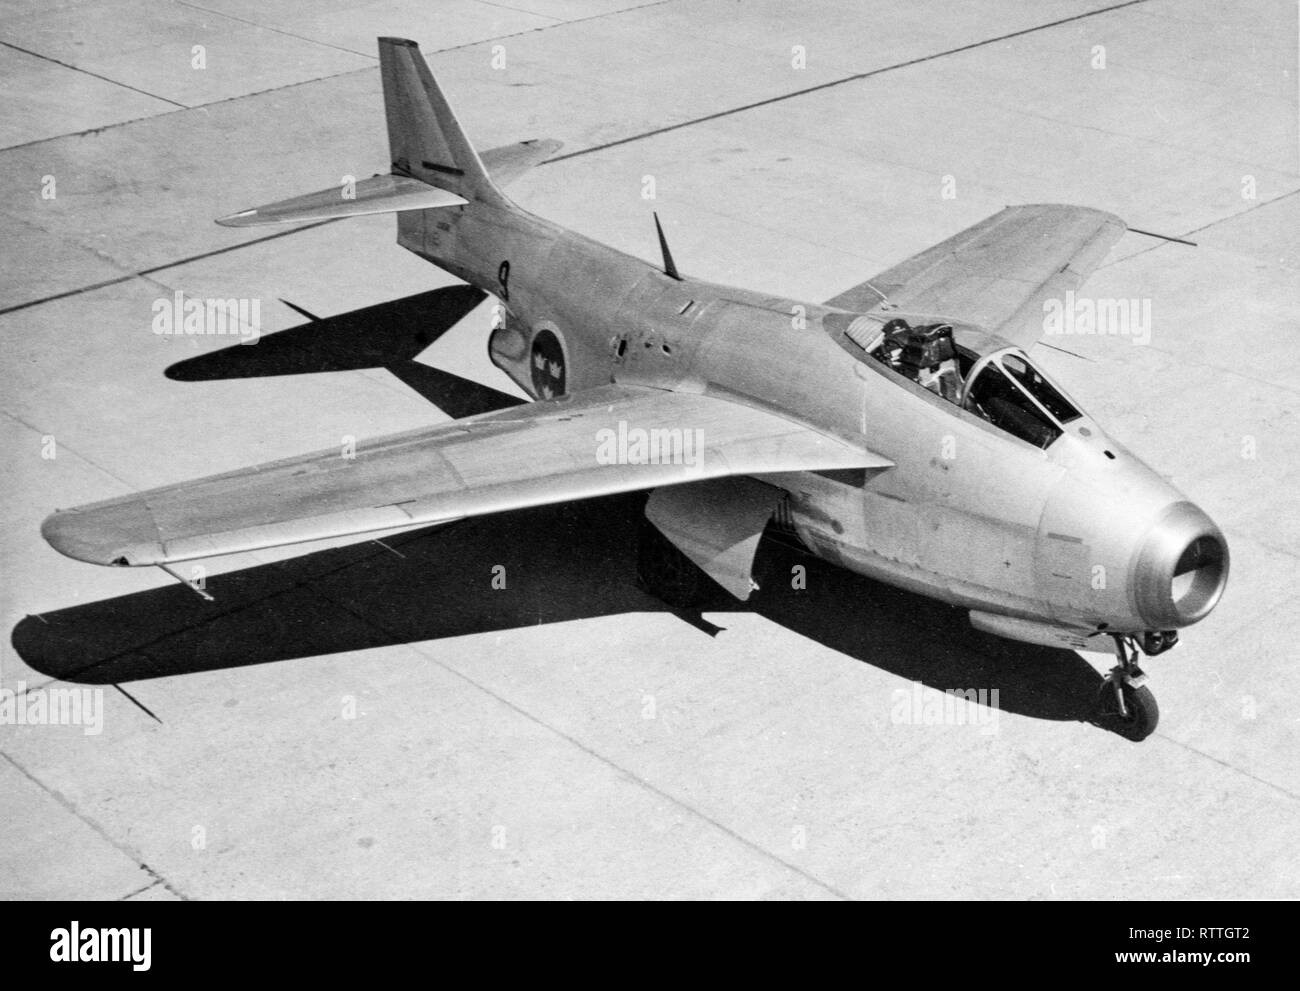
x: 434, y: 165
x: 424, y: 137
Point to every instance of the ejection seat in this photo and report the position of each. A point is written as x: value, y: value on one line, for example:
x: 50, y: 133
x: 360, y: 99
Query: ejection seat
x: 929, y: 358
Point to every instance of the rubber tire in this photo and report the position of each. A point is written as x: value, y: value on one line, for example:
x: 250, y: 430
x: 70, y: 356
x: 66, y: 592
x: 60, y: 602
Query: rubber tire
x: 1143, y: 713
x: 668, y: 574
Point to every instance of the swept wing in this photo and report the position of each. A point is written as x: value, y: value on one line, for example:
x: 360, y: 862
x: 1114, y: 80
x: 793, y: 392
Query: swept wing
x: 998, y: 273
x: 530, y: 455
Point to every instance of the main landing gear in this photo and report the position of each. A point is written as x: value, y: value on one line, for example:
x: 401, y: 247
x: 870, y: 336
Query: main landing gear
x: 1125, y: 705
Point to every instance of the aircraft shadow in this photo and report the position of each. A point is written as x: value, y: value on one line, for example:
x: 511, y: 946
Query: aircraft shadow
x: 566, y: 562
x: 574, y: 561
x: 387, y: 335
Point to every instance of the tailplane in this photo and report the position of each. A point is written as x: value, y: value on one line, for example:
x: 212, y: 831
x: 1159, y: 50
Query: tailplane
x: 434, y: 164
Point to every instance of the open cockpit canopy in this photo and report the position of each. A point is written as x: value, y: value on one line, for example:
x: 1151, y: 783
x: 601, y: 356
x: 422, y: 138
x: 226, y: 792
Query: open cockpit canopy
x: 967, y: 366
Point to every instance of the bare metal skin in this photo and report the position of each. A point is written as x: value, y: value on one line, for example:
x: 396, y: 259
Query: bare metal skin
x: 997, y: 497
x: 999, y: 525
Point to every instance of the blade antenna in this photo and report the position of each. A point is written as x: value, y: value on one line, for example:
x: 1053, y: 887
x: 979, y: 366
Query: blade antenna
x: 670, y: 269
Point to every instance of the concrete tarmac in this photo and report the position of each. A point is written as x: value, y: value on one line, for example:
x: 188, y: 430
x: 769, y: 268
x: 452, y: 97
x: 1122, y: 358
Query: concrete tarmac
x: 374, y: 719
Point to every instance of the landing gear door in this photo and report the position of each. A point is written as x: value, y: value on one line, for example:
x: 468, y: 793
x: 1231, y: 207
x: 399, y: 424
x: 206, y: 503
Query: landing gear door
x: 717, y: 524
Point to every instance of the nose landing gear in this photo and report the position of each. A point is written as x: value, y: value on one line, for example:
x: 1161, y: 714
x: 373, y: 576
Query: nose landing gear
x: 1125, y: 705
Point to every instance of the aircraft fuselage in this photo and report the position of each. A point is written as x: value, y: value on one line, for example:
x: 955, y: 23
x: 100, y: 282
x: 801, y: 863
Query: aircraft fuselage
x: 1082, y: 535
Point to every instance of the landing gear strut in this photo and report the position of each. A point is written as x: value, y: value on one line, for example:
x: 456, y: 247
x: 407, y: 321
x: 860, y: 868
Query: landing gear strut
x: 1125, y: 705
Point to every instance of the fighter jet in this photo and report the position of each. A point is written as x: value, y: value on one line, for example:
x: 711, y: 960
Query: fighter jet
x: 899, y: 430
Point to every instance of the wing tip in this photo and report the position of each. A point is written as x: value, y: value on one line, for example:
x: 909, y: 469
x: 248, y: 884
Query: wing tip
x: 110, y: 536
x: 1072, y: 208
x: 244, y: 218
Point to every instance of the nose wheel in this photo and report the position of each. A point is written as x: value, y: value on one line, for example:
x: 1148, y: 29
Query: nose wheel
x: 1125, y: 705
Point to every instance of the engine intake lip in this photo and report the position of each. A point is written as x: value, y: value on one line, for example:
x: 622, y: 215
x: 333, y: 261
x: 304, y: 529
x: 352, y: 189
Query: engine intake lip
x: 1180, y: 569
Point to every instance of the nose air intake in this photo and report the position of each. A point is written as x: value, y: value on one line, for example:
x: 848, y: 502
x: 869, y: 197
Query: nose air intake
x: 1181, y: 569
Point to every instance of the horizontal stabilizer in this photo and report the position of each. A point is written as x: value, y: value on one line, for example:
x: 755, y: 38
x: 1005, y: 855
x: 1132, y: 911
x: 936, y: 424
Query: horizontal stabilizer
x: 509, y: 162
x: 378, y: 194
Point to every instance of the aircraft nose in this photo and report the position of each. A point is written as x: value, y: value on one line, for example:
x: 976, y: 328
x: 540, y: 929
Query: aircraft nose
x: 1180, y: 568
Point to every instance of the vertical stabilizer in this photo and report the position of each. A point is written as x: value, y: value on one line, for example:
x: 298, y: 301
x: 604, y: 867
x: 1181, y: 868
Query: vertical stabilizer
x: 425, y: 138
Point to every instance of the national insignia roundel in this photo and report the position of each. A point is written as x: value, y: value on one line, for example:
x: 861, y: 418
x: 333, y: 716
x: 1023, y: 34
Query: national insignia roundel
x: 547, y: 365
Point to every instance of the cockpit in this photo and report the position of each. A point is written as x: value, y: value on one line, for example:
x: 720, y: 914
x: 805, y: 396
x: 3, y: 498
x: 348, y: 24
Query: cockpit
x: 1000, y: 385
